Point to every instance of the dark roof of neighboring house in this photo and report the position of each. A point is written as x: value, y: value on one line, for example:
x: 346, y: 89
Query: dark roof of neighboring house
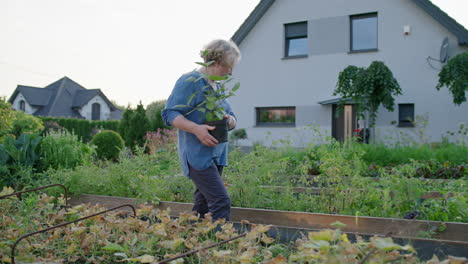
x: 60, y: 99
x: 83, y: 96
x: 33, y: 95
x: 445, y: 20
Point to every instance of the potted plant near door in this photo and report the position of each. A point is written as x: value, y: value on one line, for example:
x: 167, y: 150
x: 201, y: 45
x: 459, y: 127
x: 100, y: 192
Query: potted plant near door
x: 211, y: 105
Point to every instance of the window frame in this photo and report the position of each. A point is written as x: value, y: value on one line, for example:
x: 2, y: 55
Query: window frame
x: 360, y: 16
x: 22, y: 105
x: 299, y: 36
x: 96, y: 114
x: 257, y: 116
x: 403, y: 122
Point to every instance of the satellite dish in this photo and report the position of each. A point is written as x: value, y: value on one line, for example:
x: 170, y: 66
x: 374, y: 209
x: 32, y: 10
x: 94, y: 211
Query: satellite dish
x: 444, y: 50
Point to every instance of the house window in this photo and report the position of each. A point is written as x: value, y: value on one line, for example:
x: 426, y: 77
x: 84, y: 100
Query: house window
x: 406, y: 115
x: 22, y: 105
x: 296, y: 39
x: 276, y: 116
x: 96, y: 112
x: 364, y: 32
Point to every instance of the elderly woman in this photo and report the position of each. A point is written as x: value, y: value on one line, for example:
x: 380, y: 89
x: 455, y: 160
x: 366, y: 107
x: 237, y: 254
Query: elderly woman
x: 201, y: 156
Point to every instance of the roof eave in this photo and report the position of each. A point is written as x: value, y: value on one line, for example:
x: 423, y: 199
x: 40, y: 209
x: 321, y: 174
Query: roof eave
x: 251, y: 21
x: 445, y: 20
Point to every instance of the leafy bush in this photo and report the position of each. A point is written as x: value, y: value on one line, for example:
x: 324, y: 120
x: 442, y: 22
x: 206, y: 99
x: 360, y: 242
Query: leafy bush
x: 454, y: 75
x: 239, y: 134
x: 83, y: 128
x: 17, y: 159
x: 108, y: 144
x: 153, y: 113
x: 25, y: 123
x: 7, y: 115
x: 384, y: 156
x: 63, y: 150
x: 133, y: 126
x: 161, y: 140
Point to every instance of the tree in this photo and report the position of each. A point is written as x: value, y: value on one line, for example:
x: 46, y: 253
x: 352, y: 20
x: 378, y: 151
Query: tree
x: 368, y: 88
x: 7, y: 115
x: 139, y: 126
x: 125, y: 126
x: 153, y: 113
x: 454, y: 75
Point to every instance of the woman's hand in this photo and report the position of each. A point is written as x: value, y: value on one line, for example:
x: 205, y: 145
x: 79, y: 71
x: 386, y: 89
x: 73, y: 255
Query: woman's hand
x: 201, y: 131
x: 231, y: 121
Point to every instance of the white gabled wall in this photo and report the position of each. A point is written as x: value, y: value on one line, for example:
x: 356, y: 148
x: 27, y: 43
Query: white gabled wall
x: 268, y: 80
x: 86, y: 110
x: 28, y: 109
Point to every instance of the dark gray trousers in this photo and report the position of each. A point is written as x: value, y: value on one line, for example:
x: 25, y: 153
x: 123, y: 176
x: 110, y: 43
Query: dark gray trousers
x: 210, y: 194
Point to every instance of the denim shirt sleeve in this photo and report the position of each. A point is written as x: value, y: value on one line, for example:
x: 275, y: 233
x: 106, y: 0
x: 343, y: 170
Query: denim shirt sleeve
x: 180, y: 95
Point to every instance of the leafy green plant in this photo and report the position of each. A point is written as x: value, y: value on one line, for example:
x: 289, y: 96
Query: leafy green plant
x: 368, y: 88
x: 213, y: 98
x: 7, y: 115
x: 237, y: 134
x: 18, y: 157
x: 153, y: 112
x: 108, y: 144
x: 25, y: 123
x: 118, y: 237
x: 63, y: 150
x: 454, y: 75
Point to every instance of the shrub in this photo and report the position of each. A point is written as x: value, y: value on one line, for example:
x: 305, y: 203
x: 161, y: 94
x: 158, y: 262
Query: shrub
x: 161, y: 140
x: 240, y: 133
x: 108, y: 144
x: 60, y: 149
x: 153, y: 112
x: 24, y: 123
x: 18, y: 157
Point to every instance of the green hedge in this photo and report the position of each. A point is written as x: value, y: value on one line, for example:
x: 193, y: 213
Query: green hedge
x: 82, y: 127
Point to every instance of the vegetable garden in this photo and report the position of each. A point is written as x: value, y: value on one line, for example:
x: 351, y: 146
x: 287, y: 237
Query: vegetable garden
x: 326, y: 203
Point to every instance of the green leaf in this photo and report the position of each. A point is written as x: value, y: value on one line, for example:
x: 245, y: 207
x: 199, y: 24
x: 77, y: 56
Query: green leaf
x: 113, y: 247
x: 202, y: 64
x: 387, y: 244
x: 190, y: 79
x: 181, y: 106
x: 236, y: 87
x: 217, y: 77
x: 210, y: 105
x: 191, y: 97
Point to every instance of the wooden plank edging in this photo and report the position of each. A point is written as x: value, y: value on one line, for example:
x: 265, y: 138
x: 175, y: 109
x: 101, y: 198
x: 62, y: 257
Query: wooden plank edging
x: 363, y: 225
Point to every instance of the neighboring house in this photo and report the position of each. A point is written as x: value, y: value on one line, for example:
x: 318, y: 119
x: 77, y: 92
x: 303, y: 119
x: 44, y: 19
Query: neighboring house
x: 293, y: 51
x: 64, y: 98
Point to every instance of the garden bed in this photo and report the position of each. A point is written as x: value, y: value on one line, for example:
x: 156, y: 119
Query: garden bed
x: 448, y: 238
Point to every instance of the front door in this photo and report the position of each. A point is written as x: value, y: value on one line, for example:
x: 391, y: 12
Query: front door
x: 344, y: 123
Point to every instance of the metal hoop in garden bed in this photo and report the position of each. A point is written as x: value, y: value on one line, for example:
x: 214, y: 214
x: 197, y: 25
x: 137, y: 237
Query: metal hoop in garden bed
x: 64, y: 224
x: 18, y: 194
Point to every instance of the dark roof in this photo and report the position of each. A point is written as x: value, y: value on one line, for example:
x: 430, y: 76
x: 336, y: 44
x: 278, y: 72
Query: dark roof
x: 83, y: 96
x: 440, y: 16
x: 60, y: 98
x: 33, y: 95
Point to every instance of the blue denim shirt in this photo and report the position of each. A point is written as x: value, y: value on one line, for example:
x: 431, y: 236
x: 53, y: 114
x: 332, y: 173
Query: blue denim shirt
x: 191, y: 150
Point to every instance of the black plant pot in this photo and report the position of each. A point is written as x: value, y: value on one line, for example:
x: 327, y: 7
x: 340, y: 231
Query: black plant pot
x: 221, y: 131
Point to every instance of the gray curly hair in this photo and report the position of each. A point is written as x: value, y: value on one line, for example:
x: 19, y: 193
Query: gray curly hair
x: 221, y: 51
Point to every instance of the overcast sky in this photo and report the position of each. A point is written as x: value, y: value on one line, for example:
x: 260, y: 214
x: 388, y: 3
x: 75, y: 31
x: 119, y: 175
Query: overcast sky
x: 131, y: 49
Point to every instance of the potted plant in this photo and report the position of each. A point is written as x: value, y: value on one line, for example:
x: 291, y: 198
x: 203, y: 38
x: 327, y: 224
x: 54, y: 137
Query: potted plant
x: 211, y: 105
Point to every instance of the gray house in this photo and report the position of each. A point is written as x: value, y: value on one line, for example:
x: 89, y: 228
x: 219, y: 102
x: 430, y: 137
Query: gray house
x: 293, y: 51
x: 64, y: 98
